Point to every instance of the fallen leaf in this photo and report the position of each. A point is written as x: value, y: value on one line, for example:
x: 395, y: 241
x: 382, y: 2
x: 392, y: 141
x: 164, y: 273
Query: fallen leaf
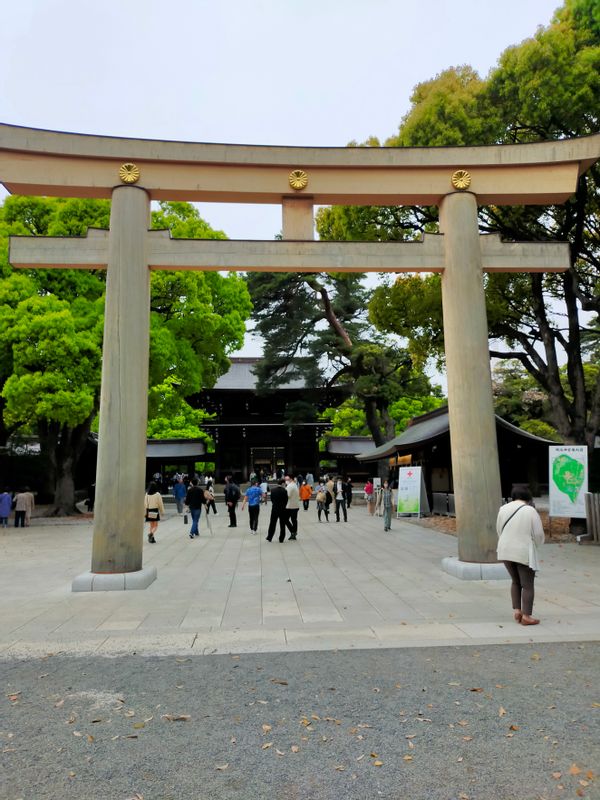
x: 182, y: 660
x: 138, y: 725
x: 454, y: 683
x: 131, y: 736
x: 478, y: 689
x: 535, y: 657
x: 90, y: 738
x: 501, y: 711
x: 294, y: 748
x: 266, y: 728
x: 378, y: 763
x: 374, y: 755
x: 93, y: 721
x: 233, y: 740
x: 375, y: 689
x: 407, y: 758
x: 266, y: 745
x: 557, y: 775
x: 340, y: 767
x: 595, y: 705
x: 360, y: 758
x: 574, y: 769
x: 462, y: 723
x: 460, y: 758
x: 77, y: 733
x: 72, y: 774
x: 467, y: 738
x: 514, y: 728
x: 279, y: 681
x: 279, y: 752
x: 176, y: 717
x: 59, y: 703
x: 130, y: 713
x: 412, y: 747
x: 314, y: 716
x: 221, y: 767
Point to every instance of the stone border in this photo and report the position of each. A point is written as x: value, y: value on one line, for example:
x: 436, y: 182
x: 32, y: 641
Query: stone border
x: 113, y: 582
x: 474, y: 571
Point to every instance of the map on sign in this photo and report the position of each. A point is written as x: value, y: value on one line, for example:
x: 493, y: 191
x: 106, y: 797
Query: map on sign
x: 569, y: 475
x: 568, y: 480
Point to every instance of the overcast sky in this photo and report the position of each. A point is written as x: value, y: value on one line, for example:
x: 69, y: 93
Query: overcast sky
x: 288, y: 72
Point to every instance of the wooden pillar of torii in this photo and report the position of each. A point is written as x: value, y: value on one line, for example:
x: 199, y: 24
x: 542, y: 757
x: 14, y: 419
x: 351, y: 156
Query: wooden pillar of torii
x: 504, y: 175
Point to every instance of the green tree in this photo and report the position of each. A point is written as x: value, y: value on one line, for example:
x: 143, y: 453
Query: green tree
x: 314, y: 326
x: 51, y: 333
x: 547, y: 87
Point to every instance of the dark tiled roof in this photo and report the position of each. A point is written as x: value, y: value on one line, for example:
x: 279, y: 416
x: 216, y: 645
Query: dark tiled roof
x: 431, y: 426
x: 241, y: 377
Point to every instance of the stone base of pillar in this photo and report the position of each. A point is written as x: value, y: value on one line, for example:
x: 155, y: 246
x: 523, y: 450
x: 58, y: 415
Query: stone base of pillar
x: 114, y: 582
x: 474, y: 571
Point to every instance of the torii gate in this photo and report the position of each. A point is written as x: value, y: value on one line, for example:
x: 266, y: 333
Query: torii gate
x: 132, y: 172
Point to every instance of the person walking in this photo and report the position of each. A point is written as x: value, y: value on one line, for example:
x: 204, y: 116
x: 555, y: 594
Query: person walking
x: 520, y: 531
x: 253, y: 496
x: 305, y: 492
x: 194, y: 500
x: 279, y: 500
x: 209, y: 498
x: 5, y: 507
x: 349, y: 488
x: 179, y: 492
x: 292, y: 506
x: 369, y: 497
x: 340, y: 499
x: 24, y: 505
x: 232, y: 496
x: 321, y: 498
x: 387, y: 505
x: 154, y: 508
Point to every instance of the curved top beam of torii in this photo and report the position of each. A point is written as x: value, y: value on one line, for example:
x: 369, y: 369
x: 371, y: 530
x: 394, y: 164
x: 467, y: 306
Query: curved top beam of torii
x: 39, y: 162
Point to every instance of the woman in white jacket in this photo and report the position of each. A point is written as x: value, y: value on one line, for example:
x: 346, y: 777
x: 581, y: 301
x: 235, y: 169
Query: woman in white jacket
x: 518, y: 525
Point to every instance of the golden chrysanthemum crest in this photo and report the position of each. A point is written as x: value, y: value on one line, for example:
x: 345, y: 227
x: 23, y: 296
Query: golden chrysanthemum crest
x: 461, y: 179
x: 129, y: 173
x: 298, y: 179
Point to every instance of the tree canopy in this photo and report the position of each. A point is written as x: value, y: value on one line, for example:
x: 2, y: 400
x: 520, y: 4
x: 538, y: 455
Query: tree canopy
x: 547, y: 87
x: 51, y: 326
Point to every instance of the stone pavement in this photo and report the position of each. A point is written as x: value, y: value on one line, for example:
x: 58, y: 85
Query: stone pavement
x: 339, y: 586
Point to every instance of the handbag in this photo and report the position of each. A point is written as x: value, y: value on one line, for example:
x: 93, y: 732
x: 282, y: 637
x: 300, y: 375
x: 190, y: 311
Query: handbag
x: 534, y: 563
x: 185, y: 519
x: 152, y: 515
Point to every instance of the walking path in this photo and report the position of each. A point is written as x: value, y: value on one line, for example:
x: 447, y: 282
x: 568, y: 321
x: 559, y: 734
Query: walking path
x: 339, y: 586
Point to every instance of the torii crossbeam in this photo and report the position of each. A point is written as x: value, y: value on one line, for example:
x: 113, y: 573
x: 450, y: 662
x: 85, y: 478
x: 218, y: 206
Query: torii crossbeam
x: 456, y: 179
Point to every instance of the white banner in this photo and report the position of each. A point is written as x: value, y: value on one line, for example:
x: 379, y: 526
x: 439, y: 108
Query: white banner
x: 568, y: 480
x: 409, y: 490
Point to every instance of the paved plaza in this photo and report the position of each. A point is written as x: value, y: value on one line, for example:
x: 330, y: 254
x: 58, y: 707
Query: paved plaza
x: 339, y: 586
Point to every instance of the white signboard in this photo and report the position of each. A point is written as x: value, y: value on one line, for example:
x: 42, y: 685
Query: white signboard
x: 568, y: 480
x: 409, y: 490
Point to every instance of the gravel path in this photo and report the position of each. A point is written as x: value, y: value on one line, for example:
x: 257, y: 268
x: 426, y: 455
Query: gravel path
x: 494, y: 722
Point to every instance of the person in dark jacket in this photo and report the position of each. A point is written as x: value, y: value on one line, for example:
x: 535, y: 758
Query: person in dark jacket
x: 279, y: 500
x: 194, y: 500
x: 232, y: 496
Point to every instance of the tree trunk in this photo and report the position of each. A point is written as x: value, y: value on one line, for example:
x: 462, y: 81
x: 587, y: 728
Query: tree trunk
x: 63, y: 447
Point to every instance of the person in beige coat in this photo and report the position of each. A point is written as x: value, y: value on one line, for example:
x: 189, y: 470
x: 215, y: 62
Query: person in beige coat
x: 24, y: 506
x: 154, y: 508
x: 519, y: 525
